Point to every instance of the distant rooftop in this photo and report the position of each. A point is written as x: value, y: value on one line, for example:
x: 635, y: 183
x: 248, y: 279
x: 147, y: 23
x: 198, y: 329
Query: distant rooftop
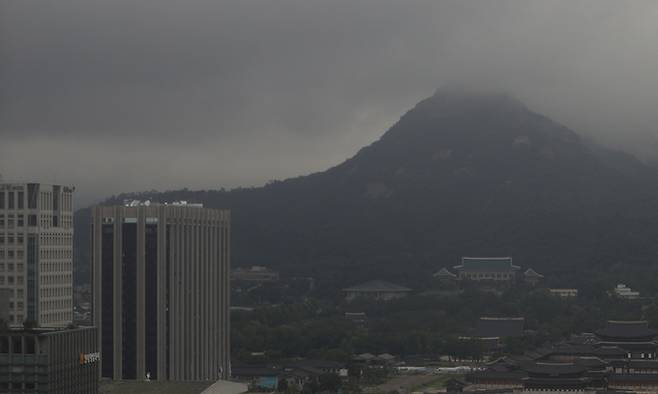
x: 530, y: 273
x: 148, y: 203
x: 487, y: 264
x: 627, y: 330
x: 443, y: 272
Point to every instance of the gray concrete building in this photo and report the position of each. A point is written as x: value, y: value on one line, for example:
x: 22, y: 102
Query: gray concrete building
x: 161, y: 277
x: 53, y: 361
x: 36, y: 253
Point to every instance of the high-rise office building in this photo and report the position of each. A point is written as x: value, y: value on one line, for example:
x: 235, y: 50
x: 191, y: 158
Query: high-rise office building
x: 36, y: 253
x: 161, y: 291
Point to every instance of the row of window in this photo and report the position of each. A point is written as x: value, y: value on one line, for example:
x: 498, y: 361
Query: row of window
x: 18, y: 305
x: 52, y: 317
x: 19, y: 280
x: 12, y: 199
x: 12, y: 280
x: 56, y: 304
x: 56, y: 279
x: 10, y: 267
x: 19, y: 254
x: 11, y: 239
x: 45, y: 221
x: 56, y: 292
x: 50, y: 239
x: 11, y: 254
x: 56, y: 266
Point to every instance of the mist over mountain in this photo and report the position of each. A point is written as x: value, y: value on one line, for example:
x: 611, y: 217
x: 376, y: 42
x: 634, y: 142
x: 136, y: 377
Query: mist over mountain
x: 461, y: 173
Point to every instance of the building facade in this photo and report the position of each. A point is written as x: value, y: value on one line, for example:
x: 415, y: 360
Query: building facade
x: 161, y: 277
x: 53, y: 361
x: 36, y: 253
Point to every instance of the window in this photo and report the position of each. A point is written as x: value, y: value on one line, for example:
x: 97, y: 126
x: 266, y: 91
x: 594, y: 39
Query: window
x: 16, y: 345
x: 10, y: 202
x: 20, y: 221
x: 32, y: 220
x: 21, y: 199
x: 2, y: 199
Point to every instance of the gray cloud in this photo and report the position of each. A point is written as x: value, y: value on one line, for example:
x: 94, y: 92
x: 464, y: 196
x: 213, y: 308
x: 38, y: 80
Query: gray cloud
x: 162, y: 94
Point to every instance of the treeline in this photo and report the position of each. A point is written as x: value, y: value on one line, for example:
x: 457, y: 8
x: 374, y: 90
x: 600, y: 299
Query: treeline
x: 425, y: 324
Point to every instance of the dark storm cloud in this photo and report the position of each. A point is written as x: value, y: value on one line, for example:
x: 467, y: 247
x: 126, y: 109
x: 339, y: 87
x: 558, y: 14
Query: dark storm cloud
x: 214, y: 93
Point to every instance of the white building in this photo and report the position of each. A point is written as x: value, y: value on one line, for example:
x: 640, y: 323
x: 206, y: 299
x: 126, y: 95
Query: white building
x: 624, y: 292
x: 564, y: 293
x: 36, y: 252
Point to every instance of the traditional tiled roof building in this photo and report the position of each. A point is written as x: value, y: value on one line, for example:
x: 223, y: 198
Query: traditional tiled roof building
x: 532, y: 277
x: 487, y: 268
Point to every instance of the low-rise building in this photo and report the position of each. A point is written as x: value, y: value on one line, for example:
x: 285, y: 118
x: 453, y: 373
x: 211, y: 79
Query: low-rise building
x: 564, y: 293
x: 625, y: 293
x: 55, y: 361
x: 377, y: 290
x: 254, y: 273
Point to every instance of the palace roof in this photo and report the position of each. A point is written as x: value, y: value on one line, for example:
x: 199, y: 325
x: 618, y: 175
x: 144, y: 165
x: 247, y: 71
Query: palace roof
x: 626, y: 330
x: 487, y: 264
x: 443, y: 272
x: 553, y: 369
x: 530, y: 273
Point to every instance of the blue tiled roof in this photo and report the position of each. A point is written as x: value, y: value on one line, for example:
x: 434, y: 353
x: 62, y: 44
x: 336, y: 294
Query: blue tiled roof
x: 487, y: 264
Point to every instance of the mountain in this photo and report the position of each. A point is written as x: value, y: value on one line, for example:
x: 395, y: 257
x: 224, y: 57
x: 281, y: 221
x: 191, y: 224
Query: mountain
x: 459, y: 174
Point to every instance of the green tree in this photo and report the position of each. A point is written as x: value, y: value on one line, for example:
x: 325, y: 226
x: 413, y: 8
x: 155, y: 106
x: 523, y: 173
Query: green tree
x: 330, y: 382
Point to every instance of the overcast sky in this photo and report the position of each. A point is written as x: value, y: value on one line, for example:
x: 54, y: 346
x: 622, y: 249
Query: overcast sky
x: 115, y: 96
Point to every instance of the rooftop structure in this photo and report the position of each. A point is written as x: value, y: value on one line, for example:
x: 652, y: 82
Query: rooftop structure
x: 148, y: 203
x: 626, y: 331
x: 376, y: 290
x: 564, y: 293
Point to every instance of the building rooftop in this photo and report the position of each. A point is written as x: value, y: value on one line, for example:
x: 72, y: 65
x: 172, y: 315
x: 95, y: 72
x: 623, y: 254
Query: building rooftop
x: 378, y: 286
x: 530, y: 273
x: 554, y: 369
x: 627, y: 330
x: 444, y: 273
x: 500, y: 327
x: 148, y: 203
x: 487, y: 264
